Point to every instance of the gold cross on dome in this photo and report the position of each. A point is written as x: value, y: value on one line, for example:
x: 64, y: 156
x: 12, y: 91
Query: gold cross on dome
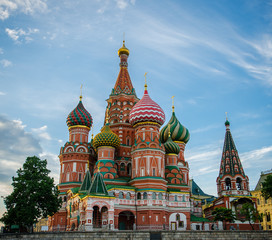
x: 80, y: 97
x: 173, y: 107
x: 145, y: 81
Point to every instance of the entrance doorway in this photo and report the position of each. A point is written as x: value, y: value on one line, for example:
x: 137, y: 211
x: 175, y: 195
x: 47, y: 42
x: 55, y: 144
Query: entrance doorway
x: 126, y: 220
x: 97, y: 218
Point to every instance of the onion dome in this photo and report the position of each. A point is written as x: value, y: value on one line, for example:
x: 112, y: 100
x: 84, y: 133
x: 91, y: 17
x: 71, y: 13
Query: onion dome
x: 146, y: 110
x: 79, y: 116
x: 171, y: 147
x: 178, y: 131
x: 106, y: 138
x: 227, y: 123
x: 123, y: 50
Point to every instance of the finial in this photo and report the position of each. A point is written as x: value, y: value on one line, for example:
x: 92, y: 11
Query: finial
x: 145, y: 81
x: 92, y: 132
x: 123, y: 38
x: 226, y: 115
x: 169, y: 132
x: 173, y: 107
x: 80, y: 97
x: 107, y: 115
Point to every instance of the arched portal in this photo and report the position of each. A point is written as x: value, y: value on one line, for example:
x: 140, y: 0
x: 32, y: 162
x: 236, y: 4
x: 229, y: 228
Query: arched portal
x: 97, y: 218
x: 104, y: 213
x: 126, y: 220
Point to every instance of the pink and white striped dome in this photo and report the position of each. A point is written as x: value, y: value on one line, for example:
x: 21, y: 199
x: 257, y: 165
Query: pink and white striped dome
x: 146, y: 110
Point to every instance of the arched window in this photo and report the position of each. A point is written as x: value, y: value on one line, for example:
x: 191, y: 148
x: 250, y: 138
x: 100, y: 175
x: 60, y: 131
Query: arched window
x: 145, y: 195
x: 121, y: 195
x: 139, y: 196
x: 154, y: 172
x: 129, y: 169
x: 122, y: 167
x: 177, y: 217
x: 128, y: 196
x: 239, y: 183
x: 183, y: 198
x: 153, y: 195
x: 176, y: 198
x: 160, y: 196
x: 111, y: 194
x: 228, y: 184
x: 128, y: 141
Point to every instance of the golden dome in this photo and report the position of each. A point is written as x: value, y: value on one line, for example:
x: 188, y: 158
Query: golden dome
x: 123, y: 50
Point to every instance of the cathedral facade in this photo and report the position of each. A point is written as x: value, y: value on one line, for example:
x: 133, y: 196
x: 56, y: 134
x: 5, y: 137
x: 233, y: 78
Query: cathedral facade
x: 131, y: 175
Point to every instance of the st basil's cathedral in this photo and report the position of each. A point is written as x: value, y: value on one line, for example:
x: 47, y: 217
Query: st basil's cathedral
x: 133, y: 174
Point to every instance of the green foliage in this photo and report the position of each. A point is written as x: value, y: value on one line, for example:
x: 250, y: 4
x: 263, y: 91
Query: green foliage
x: 267, y: 187
x: 224, y: 215
x: 250, y: 214
x: 34, y: 195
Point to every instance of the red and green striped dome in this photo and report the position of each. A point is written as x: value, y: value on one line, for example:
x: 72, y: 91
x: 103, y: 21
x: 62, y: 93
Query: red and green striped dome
x: 79, y: 116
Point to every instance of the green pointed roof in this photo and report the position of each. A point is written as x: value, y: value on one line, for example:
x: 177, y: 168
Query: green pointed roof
x: 86, y: 184
x: 98, y: 186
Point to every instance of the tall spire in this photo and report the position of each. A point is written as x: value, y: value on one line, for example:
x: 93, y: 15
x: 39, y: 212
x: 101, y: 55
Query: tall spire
x: 232, y: 179
x: 123, y: 83
x: 230, y: 163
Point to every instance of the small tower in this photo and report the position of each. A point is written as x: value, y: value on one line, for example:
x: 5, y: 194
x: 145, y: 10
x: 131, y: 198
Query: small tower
x: 77, y: 153
x: 180, y: 135
x: 232, y: 179
x: 148, y: 167
x: 105, y: 142
x: 120, y: 102
x: 172, y: 173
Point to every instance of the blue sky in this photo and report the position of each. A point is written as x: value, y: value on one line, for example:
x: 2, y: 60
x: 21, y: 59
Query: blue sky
x: 213, y: 56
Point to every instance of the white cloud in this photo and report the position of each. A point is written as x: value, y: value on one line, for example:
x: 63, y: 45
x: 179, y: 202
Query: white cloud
x: 7, y: 7
x: 6, y: 63
x: 18, y: 34
x: 2, y: 94
x: 41, y: 132
x: 254, y: 157
x: 122, y: 4
x: 1, y: 51
x: 15, y: 146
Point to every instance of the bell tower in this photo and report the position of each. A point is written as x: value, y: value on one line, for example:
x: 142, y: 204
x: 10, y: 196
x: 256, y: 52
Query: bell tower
x: 121, y: 100
x: 232, y: 179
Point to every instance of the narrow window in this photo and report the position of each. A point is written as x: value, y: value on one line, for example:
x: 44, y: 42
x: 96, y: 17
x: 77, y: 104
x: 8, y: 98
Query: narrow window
x: 74, y: 167
x: 154, y: 172
x: 160, y: 196
x: 67, y: 177
x: 79, y: 177
x: 121, y: 195
x: 145, y: 195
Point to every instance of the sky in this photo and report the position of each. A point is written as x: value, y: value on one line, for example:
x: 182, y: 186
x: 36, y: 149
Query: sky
x: 213, y: 56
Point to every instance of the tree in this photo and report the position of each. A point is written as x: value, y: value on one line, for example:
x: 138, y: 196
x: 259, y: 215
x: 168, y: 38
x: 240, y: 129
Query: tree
x: 34, y: 195
x: 224, y: 215
x: 250, y: 214
x: 267, y: 187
